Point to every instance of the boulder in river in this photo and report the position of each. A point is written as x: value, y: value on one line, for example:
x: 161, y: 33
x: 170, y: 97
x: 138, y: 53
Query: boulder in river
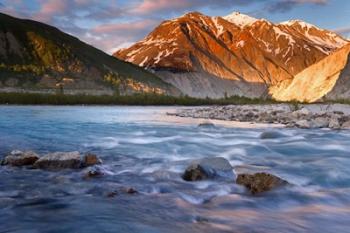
x: 93, y: 173
x: 65, y: 160
x: 206, y: 124
x: 260, y: 182
x: 91, y: 160
x: 19, y: 158
x: 272, y: 135
x: 209, y: 168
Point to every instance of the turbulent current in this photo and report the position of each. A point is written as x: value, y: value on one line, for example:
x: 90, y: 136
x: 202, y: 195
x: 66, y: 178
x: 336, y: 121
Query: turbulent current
x: 147, y: 150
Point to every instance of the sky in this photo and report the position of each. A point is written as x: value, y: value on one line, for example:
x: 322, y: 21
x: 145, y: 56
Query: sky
x: 113, y: 24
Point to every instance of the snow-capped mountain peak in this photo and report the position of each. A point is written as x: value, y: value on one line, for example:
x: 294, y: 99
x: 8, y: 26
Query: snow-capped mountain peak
x: 324, y: 40
x: 302, y: 24
x: 239, y: 19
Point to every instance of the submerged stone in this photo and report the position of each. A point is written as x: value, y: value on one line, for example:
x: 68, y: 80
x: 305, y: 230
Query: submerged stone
x: 260, y: 182
x: 271, y: 135
x: 93, y: 173
x: 209, y: 168
x: 19, y: 158
x: 206, y: 124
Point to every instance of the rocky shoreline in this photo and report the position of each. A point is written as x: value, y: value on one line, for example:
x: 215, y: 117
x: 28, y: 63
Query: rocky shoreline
x: 333, y: 116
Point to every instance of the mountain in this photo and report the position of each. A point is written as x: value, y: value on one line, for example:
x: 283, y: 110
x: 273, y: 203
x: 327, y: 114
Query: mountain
x: 231, y: 55
x: 327, y: 79
x: 35, y: 57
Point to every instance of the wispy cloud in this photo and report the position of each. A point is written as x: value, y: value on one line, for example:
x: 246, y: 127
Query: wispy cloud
x: 287, y: 5
x: 344, y: 31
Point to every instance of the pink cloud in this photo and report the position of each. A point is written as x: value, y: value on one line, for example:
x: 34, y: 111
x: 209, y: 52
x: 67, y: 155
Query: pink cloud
x: 125, y: 27
x: 148, y: 6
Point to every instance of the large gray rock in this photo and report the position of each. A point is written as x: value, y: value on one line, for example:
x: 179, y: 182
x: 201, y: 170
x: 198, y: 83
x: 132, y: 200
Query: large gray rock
x: 19, y: 158
x: 260, y: 182
x: 334, y: 122
x: 320, y: 122
x: 66, y: 160
x: 209, y: 168
x: 304, y: 124
x: 346, y: 125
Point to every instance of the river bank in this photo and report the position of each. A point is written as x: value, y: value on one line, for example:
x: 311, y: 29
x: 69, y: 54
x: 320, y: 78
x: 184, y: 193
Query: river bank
x: 311, y: 116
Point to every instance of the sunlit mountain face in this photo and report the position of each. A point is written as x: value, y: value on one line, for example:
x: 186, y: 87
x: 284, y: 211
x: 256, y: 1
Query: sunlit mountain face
x: 36, y: 57
x: 231, y: 55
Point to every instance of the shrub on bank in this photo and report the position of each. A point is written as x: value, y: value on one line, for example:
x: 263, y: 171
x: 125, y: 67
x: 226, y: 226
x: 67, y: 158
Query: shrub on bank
x: 136, y: 99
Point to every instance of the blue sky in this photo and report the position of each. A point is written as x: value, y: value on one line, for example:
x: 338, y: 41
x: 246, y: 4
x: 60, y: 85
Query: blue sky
x: 112, y: 24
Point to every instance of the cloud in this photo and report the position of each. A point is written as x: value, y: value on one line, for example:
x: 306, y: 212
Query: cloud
x: 283, y: 6
x: 159, y: 6
x: 345, y: 31
x: 119, y: 35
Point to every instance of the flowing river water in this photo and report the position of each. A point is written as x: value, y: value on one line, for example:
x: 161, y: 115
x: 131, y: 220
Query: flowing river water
x: 147, y: 150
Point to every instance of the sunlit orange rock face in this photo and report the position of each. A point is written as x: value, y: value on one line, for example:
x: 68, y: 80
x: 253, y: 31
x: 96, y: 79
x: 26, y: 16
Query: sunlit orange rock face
x: 233, y: 55
x: 326, y: 79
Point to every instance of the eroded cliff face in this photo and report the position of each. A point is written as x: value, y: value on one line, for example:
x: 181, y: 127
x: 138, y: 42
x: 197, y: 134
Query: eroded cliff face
x: 327, y: 79
x: 233, y: 55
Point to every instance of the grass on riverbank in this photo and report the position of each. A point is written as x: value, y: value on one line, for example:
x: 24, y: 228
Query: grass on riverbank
x: 137, y: 99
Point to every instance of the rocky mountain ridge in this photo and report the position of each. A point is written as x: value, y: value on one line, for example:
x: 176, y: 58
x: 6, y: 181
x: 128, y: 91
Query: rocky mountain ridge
x: 232, y: 55
x: 35, y: 57
x: 327, y: 79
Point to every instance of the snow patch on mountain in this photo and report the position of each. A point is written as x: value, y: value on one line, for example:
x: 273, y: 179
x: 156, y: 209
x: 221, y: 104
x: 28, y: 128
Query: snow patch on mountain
x: 239, y: 19
x: 220, y: 29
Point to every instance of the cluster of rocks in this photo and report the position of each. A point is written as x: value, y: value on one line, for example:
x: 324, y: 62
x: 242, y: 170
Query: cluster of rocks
x: 203, y: 169
x: 220, y: 168
x: 51, y: 161
x: 301, y: 117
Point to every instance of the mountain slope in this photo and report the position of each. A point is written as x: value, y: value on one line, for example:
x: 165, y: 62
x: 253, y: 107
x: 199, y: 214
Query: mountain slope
x: 234, y: 55
x: 329, y: 78
x: 40, y: 58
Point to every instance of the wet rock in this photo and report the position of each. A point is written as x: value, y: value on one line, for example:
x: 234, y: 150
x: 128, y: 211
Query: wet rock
x: 260, y: 182
x: 19, y: 158
x: 60, y: 160
x: 93, y: 173
x: 131, y: 191
x: 272, y: 135
x: 112, y: 194
x: 209, y: 168
x: 199, y: 219
x: 206, y: 124
x: 91, y: 159
x: 66, y: 160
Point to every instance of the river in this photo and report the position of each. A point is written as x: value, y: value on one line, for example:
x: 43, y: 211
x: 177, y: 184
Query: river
x: 147, y: 150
